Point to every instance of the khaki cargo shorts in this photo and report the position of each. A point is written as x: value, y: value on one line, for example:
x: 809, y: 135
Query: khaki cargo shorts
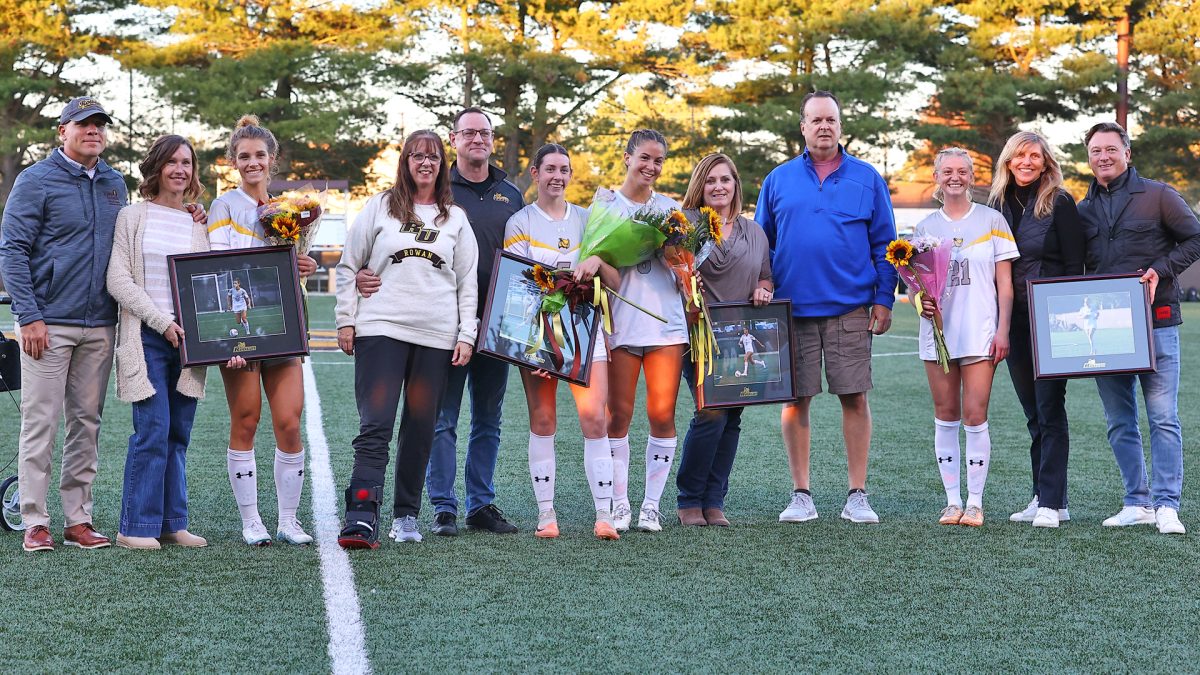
x: 843, y: 342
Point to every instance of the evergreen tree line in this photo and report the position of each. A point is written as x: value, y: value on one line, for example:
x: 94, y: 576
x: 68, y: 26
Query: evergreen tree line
x: 724, y: 75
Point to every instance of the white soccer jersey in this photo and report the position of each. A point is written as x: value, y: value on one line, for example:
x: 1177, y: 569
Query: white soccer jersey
x: 532, y: 233
x: 747, y: 341
x: 233, y: 222
x: 970, y: 310
x: 650, y: 285
x: 238, y: 297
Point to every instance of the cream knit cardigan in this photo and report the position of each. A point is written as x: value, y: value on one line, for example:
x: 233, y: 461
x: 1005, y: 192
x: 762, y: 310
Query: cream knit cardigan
x: 127, y: 285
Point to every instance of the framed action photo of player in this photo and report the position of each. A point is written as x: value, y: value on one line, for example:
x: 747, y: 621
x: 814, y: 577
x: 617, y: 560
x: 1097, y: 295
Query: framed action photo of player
x: 242, y: 302
x: 515, y: 330
x: 753, y: 364
x: 1091, y: 326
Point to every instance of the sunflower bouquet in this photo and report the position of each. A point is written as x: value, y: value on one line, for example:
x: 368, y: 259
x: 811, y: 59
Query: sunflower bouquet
x: 924, y: 264
x: 687, y: 245
x: 293, y: 218
x: 561, y: 291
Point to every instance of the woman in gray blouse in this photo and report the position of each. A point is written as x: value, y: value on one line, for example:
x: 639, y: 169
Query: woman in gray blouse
x: 738, y: 270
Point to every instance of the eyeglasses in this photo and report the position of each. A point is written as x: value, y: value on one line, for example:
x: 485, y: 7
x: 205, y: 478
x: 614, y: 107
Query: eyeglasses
x: 484, y: 134
x: 420, y: 157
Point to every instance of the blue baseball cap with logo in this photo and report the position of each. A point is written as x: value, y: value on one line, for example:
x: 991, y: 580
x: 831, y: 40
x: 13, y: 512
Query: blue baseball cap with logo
x: 82, y: 108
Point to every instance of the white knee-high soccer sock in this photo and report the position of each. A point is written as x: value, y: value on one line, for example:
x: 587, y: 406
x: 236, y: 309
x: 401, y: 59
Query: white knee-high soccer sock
x: 541, y: 469
x: 659, y: 452
x: 598, y: 464
x: 289, y: 482
x: 979, y: 456
x: 619, y: 447
x: 946, y: 448
x: 243, y: 478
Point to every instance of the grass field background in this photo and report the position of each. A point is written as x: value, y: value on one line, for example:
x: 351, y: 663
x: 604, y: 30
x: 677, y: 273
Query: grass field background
x: 262, y: 320
x: 1107, y: 341
x: 906, y: 595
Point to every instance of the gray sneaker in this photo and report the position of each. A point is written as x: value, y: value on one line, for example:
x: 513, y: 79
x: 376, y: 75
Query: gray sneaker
x: 858, y: 510
x: 800, y: 509
x: 405, y: 529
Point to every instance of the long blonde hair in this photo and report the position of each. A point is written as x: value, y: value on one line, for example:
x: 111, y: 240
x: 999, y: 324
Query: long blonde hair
x: 694, y: 197
x: 1052, y: 177
x: 937, y: 166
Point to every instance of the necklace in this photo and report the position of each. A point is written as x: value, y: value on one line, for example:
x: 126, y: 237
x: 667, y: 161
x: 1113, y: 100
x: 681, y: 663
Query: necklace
x: 1019, y: 201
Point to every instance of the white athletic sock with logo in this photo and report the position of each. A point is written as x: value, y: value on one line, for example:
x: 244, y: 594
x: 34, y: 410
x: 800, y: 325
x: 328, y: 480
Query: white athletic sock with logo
x: 979, y: 456
x: 289, y: 482
x: 946, y: 448
x: 659, y: 453
x: 598, y: 464
x: 541, y: 469
x: 619, y: 448
x: 243, y: 477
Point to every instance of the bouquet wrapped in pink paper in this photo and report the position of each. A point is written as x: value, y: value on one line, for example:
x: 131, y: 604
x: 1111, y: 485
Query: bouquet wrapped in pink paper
x: 924, y: 264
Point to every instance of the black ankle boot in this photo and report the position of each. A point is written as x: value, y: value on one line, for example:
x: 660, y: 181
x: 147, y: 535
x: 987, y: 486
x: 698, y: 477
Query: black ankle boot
x: 362, y: 515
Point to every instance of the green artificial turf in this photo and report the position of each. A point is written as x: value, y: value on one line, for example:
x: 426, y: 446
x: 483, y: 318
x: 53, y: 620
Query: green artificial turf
x: 906, y: 595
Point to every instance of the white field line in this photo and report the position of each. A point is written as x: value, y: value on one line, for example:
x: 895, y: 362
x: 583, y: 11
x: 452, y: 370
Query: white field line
x: 896, y: 354
x: 347, y: 642
x: 899, y: 337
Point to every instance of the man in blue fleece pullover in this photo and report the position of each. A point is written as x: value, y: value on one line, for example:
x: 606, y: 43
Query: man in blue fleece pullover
x: 828, y: 218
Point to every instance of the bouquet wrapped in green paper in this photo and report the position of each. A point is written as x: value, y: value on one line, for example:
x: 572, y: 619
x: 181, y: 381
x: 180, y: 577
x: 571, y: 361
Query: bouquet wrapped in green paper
x: 618, y: 240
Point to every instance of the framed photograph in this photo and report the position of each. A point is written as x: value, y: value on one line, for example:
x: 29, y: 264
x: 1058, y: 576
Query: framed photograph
x: 754, y: 364
x: 512, y: 325
x: 243, y: 302
x: 1090, y: 326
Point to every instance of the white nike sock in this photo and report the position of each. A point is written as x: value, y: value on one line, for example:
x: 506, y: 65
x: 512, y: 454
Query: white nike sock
x: 541, y: 469
x: 289, y: 482
x: 619, y: 447
x: 945, y: 447
x: 598, y: 464
x: 244, y: 479
x: 659, y: 452
x: 979, y: 456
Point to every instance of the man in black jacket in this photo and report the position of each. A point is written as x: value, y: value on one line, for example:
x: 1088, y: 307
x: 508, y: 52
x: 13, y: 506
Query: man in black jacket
x: 1141, y: 225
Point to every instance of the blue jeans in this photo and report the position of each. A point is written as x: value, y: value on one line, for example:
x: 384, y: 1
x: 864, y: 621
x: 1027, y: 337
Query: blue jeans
x: 486, y: 379
x: 708, y: 452
x: 154, y: 497
x: 1161, y: 393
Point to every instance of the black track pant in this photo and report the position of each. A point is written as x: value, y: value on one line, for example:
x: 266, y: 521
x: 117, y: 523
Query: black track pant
x: 1044, y: 402
x: 383, y: 367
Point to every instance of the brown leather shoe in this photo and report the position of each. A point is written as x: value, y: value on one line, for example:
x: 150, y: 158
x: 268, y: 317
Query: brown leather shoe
x: 183, y: 538
x: 84, y: 535
x: 716, y: 518
x: 37, y: 538
x: 691, y: 517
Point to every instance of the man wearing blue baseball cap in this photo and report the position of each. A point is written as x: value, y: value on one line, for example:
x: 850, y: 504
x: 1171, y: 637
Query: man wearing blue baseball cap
x: 55, y: 240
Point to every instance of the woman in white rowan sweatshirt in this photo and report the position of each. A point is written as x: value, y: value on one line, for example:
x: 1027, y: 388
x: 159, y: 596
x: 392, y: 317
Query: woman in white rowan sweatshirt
x: 405, y: 336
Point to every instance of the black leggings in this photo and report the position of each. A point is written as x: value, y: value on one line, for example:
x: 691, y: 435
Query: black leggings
x: 382, y: 368
x: 1044, y: 402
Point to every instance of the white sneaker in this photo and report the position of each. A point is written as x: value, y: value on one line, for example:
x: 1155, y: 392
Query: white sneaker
x: 622, y: 516
x: 1168, y: 521
x: 1031, y: 512
x: 799, y: 510
x: 256, y: 534
x: 1046, y: 517
x: 289, y: 531
x: 857, y: 509
x: 405, y: 529
x: 648, y: 520
x: 1027, y: 515
x: 1131, y: 515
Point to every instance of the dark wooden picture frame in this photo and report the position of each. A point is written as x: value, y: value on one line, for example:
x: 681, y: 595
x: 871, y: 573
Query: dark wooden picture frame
x: 203, y: 305
x: 772, y: 382
x: 1091, y: 326
x: 498, y: 336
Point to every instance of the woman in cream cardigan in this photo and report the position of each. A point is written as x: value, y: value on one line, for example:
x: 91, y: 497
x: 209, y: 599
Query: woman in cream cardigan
x: 149, y: 374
